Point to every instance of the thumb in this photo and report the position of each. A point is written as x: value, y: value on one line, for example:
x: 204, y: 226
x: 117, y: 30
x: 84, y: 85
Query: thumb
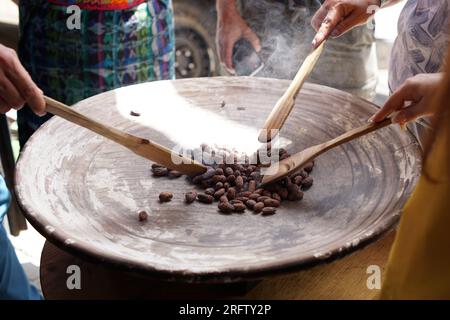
x: 411, y: 113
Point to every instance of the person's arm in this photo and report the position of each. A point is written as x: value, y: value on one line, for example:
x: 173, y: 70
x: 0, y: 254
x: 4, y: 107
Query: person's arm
x: 412, y: 100
x: 231, y: 27
x: 336, y: 17
x: 16, y: 86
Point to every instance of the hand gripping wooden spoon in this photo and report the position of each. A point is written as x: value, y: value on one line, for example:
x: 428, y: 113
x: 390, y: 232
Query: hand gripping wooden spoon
x: 143, y: 147
x: 284, y: 105
x: 299, y: 160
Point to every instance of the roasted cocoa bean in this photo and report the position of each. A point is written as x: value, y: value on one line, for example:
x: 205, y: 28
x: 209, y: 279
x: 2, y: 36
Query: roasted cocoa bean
x: 228, y: 171
x: 223, y: 199
x: 251, y: 186
x: 210, y: 191
x: 226, y: 207
x: 143, y: 216
x: 267, y: 193
x: 239, y: 207
x: 283, y: 192
x: 239, y: 182
x: 219, y: 172
x: 205, y: 198
x: 219, y: 193
x: 160, y: 172
x: 258, y: 207
x: 271, y: 203
x: 298, y: 180
x: 190, y: 196
x: 231, y: 193
x: 217, y: 178
x: 309, y: 167
x: 307, y: 183
x: 174, y: 174
x: 243, y: 199
x: 165, y: 196
x: 219, y: 185
x: 254, y: 196
x: 268, y: 211
x: 250, y: 204
x: 231, y: 178
x: 262, y: 198
x: 276, y: 196
x: 244, y: 194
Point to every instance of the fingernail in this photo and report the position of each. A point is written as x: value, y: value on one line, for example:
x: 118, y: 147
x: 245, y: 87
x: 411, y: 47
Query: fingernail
x: 313, y: 43
x: 370, y: 120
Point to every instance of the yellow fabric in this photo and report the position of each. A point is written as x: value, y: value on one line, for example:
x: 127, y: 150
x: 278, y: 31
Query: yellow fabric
x: 419, y: 262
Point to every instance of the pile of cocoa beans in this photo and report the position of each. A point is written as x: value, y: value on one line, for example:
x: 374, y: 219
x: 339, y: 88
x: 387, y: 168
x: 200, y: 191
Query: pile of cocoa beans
x: 235, y: 187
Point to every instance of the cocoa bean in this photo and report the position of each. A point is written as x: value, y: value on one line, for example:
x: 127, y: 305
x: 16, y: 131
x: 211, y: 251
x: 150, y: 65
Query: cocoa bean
x: 175, y: 174
x: 219, y: 193
x: 190, y: 197
x: 210, y: 191
x: 226, y: 207
x: 258, y: 207
x: 223, y: 199
x: 239, y: 207
x: 309, y: 167
x: 252, y: 186
x: 276, y: 196
x: 271, y: 203
x: 219, y: 185
x: 307, y: 183
x: 143, y: 216
x: 160, y: 172
x: 268, y: 211
x: 254, y: 196
x: 231, y: 178
x: 231, y: 193
x: 228, y: 171
x: 205, y: 198
x: 250, y: 204
x: 165, y: 196
x: 298, y: 180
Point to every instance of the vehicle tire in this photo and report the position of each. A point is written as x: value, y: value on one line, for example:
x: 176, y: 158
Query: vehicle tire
x: 195, y: 28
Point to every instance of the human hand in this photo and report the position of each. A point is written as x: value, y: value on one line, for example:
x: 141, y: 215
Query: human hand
x: 412, y: 100
x: 231, y: 27
x: 336, y: 17
x: 16, y: 86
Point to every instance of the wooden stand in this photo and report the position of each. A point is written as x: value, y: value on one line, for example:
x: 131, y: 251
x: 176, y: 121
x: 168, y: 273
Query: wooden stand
x: 343, y: 279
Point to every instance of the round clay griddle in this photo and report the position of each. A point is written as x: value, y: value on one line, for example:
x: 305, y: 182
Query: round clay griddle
x: 83, y: 192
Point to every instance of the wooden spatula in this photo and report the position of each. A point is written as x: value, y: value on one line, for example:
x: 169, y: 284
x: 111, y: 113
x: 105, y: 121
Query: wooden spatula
x: 299, y: 160
x: 143, y: 147
x: 284, y: 106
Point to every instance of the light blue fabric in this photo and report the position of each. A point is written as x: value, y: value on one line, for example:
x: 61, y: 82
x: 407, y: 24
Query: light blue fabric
x: 13, y: 281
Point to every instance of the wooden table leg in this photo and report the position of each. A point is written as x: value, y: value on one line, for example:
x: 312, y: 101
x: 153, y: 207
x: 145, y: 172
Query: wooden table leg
x: 343, y: 279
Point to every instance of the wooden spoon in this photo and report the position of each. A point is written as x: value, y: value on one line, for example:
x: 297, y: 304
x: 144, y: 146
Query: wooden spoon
x: 143, y: 147
x: 299, y: 160
x: 284, y: 105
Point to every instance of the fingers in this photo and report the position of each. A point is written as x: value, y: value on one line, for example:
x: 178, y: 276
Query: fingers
x: 4, y: 107
x: 253, y: 39
x: 411, y: 113
x: 333, y: 17
x: 345, y: 25
x: 29, y: 91
x: 407, y: 92
x: 9, y: 93
x: 228, y: 55
x: 319, y: 16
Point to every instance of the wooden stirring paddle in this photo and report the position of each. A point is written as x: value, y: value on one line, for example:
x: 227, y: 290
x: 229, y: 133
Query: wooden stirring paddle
x: 284, y: 105
x: 143, y: 147
x: 299, y: 160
